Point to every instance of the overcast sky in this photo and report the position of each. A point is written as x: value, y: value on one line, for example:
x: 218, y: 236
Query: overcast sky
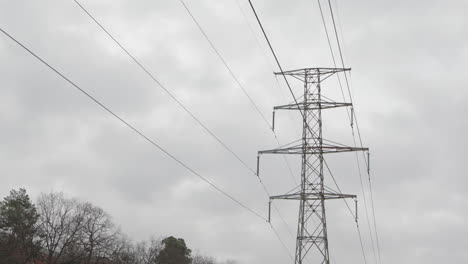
x: 409, y: 63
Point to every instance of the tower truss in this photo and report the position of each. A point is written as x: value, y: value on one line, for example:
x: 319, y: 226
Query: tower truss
x: 312, y: 237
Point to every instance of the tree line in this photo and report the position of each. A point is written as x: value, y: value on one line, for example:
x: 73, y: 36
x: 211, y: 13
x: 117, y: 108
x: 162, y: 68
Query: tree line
x: 61, y: 230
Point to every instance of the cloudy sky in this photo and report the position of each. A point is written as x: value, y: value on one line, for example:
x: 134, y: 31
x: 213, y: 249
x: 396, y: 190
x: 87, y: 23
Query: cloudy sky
x: 409, y: 90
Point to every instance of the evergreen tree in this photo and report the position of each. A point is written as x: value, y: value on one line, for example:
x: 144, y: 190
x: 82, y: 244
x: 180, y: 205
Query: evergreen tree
x: 18, y: 229
x: 174, y: 251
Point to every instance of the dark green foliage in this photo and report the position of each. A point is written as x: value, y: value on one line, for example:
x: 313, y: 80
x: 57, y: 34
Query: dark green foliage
x: 174, y: 252
x: 18, y: 217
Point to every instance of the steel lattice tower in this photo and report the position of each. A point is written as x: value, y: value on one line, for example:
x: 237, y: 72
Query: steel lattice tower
x: 312, y: 238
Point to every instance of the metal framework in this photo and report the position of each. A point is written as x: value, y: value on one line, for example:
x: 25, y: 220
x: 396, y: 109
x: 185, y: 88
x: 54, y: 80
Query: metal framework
x: 312, y: 238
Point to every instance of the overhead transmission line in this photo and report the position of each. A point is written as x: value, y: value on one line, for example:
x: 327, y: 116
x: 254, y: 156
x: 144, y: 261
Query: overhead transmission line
x: 152, y: 76
x: 279, y: 65
x: 177, y: 101
x: 257, y: 41
x: 353, y: 117
x: 173, y: 97
x: 366, y: 161
x: 160, y: 84
x: 276, y: 58
x: 226, y: 65
x: 218, y: 54
x: 277, y: 62
x: 133, y: 128
x: 289, y: 87
x: 331, y: 51
x: 350, y: 118
x: 355, y: 216
x: 262, y: 50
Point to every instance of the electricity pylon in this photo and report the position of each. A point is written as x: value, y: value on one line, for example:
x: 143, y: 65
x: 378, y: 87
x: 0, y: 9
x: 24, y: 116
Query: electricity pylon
x: 312, y: 238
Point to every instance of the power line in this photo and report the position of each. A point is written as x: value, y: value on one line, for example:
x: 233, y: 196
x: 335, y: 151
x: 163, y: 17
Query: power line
x: 357, y: 129
x: 349, y: 208
x: 178, y: 102
x: 338, y: 188
x: 282, y: 242
x: 332, y: 54
x: 279, y: 65
x: 350, y: 118
x: 276, y: 57
x: 281, y: 69
x: 340, y: 26
x: 173, y: 97
x: 365, y: 200
x: 359, y: 135
x: 218, y: 54
x: 347, y: 82
x: 152, y: 142
x: 373, y: 214
x: 339, y: 48
x: 259, y: 46
x: 252, y: 32
x: 244, y: 16
x: 361, y: 242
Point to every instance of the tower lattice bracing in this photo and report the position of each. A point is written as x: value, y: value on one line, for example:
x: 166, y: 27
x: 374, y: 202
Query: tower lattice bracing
x: 312, y: 237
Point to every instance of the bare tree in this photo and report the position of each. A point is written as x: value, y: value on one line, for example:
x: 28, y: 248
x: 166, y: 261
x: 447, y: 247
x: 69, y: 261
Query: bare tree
x: 144, y: 252
x: 147, y: 252
x: 123, y: 251
x: 198, y: 258
x: 201, y: 259
x: 60, y: 222
x: 77, y: 232
x: 98, y: 233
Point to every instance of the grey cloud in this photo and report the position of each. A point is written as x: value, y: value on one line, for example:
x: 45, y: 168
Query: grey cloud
x: 407, y: 80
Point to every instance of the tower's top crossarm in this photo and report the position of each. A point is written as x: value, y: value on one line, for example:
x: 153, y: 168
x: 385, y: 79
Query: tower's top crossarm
x: 312, y: 149
x: 312, y: 73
